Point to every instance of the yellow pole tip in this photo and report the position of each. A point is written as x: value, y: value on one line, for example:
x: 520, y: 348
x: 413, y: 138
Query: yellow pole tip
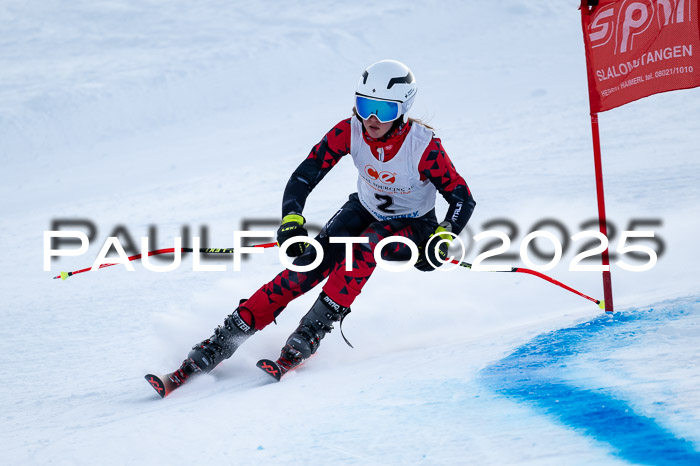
x: 602, y: 304
x: 64, y: 275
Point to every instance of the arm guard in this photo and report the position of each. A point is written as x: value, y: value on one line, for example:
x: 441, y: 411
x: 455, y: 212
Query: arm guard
x: 436, y: 166
x: 323, y: 156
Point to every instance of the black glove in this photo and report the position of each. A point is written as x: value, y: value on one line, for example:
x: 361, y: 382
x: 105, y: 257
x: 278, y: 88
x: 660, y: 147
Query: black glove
x: 429, y: 254
x: 292, y: 225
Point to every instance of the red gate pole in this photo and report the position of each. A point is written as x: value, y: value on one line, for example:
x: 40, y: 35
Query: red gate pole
x: 602, y: 223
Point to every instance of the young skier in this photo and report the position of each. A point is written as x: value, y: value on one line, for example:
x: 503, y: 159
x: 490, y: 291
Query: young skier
x: 401, y: 166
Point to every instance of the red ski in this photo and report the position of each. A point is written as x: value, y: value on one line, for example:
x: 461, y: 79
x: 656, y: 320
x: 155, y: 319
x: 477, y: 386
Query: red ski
x: 280, y: 367
x: 165, y: 384
x: 272, y: 368
x: 161, y: 384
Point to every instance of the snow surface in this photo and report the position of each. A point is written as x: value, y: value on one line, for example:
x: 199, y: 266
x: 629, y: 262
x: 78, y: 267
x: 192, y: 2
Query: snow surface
x: 140, y: 113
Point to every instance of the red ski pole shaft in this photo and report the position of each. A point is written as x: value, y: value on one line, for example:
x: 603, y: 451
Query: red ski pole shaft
x: 600, y: 303
x: 65, y: 275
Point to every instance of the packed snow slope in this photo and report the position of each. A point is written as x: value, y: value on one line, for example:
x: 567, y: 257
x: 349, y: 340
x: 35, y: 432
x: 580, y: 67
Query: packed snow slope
x: 167, y: 119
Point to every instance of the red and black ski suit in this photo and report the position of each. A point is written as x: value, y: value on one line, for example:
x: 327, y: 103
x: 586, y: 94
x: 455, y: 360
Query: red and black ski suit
x: 354, y: 220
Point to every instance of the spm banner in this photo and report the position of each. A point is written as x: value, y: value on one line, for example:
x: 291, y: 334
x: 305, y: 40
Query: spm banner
x: 636, y: 48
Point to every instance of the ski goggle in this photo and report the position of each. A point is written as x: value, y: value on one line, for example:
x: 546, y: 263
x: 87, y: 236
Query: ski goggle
x: 384, y: 110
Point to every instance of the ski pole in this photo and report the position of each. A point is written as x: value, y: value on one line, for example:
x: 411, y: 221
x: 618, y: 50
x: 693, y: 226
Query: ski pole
x: 600, y: 303
x: 65, y: 275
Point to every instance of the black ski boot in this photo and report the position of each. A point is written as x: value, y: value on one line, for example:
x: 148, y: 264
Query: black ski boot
x: 207, y: 354
x: 307, y: 337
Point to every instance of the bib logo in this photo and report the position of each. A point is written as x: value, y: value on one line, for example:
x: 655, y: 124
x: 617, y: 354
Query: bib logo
x: 385, y: 176
x: 617, y: 25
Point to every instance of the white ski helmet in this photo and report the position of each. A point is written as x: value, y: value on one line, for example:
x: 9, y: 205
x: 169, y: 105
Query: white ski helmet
x: 381, y: 84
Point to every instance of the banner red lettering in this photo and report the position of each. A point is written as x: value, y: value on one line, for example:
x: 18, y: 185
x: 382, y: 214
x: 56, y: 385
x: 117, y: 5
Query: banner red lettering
x: 636, y: 48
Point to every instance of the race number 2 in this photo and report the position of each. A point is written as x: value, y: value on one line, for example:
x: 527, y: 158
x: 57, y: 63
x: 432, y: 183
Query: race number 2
x: 387, y: 201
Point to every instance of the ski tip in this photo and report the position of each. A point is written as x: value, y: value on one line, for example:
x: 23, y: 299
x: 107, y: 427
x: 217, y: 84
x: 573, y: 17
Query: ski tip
x: 271, y: 368
x: 157, y: 384
x: 601, y: 304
